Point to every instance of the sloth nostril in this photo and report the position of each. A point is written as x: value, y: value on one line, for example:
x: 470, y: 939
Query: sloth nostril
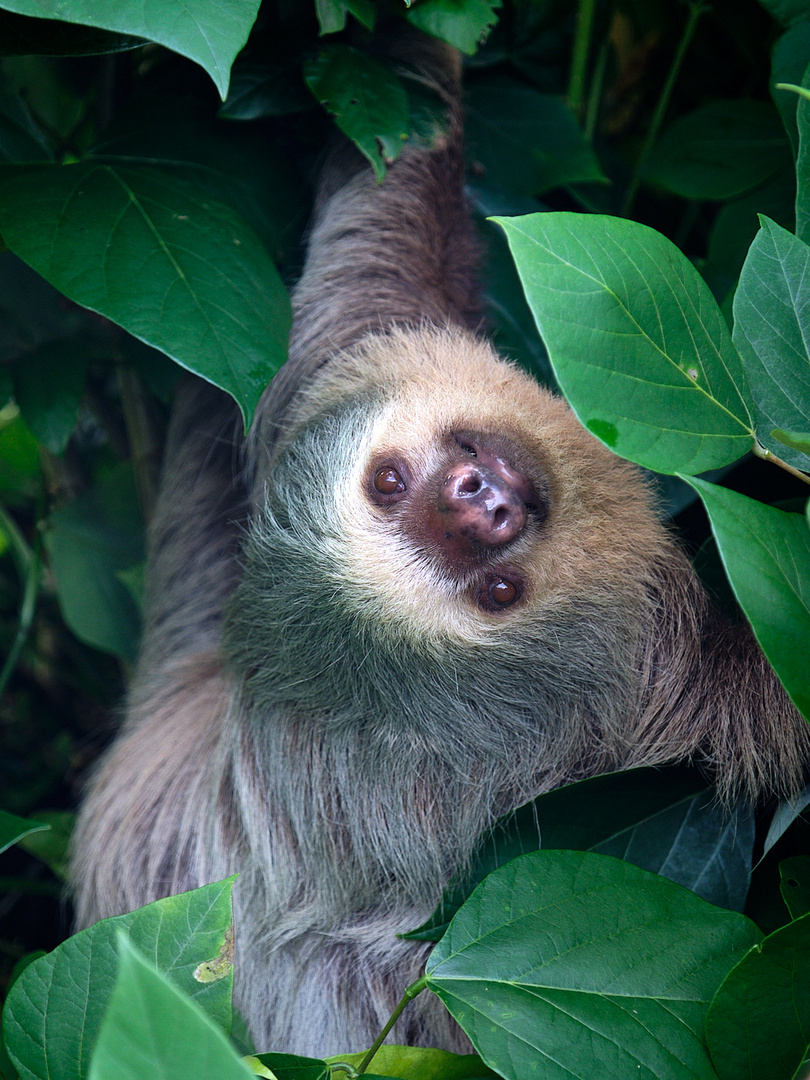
x: 500, y: 517
x: 470, y: 484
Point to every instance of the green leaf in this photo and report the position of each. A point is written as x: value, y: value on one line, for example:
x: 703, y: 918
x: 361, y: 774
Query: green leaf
x: 784, y: 816
x: 53, y: 1013
x: 461, y: 23
x: 788, y: 64
x: 21, y: 35
x: 569, y: 964
x: 52, y: 845
x: 637, y: 342
x: 48, y: 386
x: 766, y: 553
x: 141, y: 246
x: 759, y: 1022
x: 293, y: 1066
x: 525, y: 141
x: 210, y: 32
x: 735, y: 227
x: 332, y: 14
x: 20, y: 469
x: 511, y: 324
x: 794, y: 884
x: 663, y: 820
x: 13, y: 828
x: 265, y: 89
x: 367, y: 100
x: 151, y: 1029
x: 772, y: 335
x: 786, y: 12
x: 416, y: 1063
x: 89, y: 542
x: 720, y: 150
x: 219, y: 163
x: 794, y: 439
x: 20, y: 136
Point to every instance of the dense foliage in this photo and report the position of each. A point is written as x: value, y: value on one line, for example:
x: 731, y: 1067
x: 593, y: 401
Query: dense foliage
x: 155, y: 166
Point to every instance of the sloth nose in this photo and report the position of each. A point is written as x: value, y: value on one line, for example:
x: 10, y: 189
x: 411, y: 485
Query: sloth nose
x: 484, y: 507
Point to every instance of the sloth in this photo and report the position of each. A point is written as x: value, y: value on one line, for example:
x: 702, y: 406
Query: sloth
x: 415, y: 596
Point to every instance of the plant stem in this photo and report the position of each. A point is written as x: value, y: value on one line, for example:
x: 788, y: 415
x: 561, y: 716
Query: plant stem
x: 595, y: 92
x: 409, y: 995
x: 20, y: 551
x: 33, y: 573
x: 143, y: 452
x: 579, y: 58
x: 761, y: 451
x: 696, y: 9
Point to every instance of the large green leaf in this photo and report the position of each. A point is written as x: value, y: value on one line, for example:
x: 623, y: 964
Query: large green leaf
x: 90, y: 541
x: 525, y: 141
x: 638, y: 344
x: 142, y: 247
x: 569, y: 964
x: 719, y: 150
x: 766, y: 553
x: 54, y: 1011
x: 759, y: 1022
x: 220, y: 162
x: 772, y: 334
x: 152, y: 1030
x: 664, y: 820
x: 367, y: 100
x: 462, y: 23
x: 211, y: 32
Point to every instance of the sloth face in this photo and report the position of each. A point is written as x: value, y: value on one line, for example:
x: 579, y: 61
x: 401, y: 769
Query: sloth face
x: 468, y: 511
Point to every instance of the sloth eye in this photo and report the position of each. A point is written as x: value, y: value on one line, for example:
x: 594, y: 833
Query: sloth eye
x: 496, y: 592
x: 466, y: 447
x: 388, y: 481
x: 502, y: 592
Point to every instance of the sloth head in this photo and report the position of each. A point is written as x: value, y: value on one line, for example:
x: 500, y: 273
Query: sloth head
x: 435, y: 524
x: 452, y: 492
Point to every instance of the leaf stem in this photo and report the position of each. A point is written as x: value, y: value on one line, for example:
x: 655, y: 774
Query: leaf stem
x: 761, y: 451
x: 409, y: 995
x: 579, y: 58
x: 696, y: 9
